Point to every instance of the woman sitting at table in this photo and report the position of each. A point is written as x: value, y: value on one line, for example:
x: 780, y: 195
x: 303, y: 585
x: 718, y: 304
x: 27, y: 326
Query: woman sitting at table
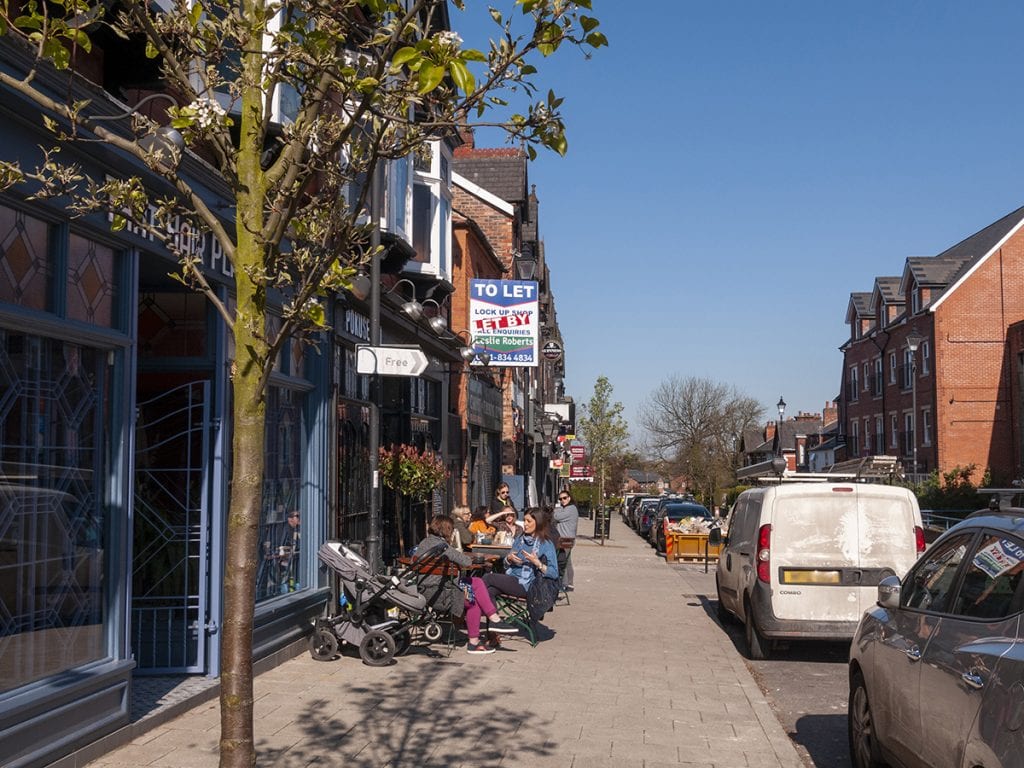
x: 533, y: 556
x: 468, y: 596
x: 506, y: 526
x: 478, y: 522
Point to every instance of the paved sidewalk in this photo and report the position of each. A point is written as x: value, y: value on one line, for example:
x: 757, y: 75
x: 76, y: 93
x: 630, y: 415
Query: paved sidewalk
x: 633, y: 674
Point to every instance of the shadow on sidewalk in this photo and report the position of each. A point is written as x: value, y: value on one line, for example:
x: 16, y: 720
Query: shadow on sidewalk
x: 397, y: 721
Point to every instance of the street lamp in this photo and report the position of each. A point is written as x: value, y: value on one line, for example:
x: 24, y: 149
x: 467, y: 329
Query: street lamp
x: 436, y: 322
x: 525, y: 263
x: 781, y: 405
x: 472, y: 351
x: 914, y: 340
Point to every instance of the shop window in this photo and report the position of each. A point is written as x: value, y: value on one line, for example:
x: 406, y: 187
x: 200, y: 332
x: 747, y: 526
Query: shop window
x: 282, y: 556
x: 25, y: 266
x: 91, y: 282
x: 53, y: 519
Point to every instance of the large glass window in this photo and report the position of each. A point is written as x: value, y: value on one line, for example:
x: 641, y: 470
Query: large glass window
x: 54, y: 415
x: 25, y: 266
x: 282, y: 558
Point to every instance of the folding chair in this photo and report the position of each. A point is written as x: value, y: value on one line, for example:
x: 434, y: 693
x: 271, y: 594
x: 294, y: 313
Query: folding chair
x: 516, y: 610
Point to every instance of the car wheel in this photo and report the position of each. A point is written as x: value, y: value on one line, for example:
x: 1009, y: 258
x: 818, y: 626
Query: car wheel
x: 758, y: 647
x: 377, y: 648
x: 861, y: 727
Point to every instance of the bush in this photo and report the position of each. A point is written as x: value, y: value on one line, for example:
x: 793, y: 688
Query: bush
x: 951, y: 490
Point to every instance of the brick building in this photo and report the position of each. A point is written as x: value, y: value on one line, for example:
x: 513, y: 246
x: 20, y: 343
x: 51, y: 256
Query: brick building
x: 963, y: 305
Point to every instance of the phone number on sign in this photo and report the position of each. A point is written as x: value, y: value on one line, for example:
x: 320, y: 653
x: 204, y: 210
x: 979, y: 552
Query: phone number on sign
x: 512, y: 357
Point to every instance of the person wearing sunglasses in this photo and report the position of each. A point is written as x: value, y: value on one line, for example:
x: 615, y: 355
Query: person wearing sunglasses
x: 502, y: 502
x: 567, y: 519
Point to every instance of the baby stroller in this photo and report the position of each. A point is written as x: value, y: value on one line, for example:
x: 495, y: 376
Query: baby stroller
x: 379, y: 613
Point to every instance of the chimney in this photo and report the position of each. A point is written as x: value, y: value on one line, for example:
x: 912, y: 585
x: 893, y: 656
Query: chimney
x: 769, y: 431
x: 466, y: 134
x: 830, y: 414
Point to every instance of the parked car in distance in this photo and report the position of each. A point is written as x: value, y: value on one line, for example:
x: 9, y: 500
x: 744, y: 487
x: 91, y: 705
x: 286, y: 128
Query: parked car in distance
x: 674, y: 510
x: 645, y: 514
x: 937, y: 666
x: 632, y: 518
x: 803, y: 560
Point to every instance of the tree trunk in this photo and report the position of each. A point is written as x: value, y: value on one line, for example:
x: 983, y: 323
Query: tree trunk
x: 237, y: 743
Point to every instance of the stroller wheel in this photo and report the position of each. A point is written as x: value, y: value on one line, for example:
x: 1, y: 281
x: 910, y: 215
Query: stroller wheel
x: 377, y: 649
x: 323, y: 645
x: 432, y: 631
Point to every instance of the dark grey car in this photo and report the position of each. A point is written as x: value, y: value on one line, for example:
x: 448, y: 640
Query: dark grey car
x: 937, y: 667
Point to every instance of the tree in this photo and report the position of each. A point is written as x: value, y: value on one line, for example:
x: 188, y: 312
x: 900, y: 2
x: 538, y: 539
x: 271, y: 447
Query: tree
x: 372, y: 81
x: 604, y: 430
x: 693, y: 424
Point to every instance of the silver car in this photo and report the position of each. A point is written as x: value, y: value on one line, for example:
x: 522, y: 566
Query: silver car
x: 937, y: 667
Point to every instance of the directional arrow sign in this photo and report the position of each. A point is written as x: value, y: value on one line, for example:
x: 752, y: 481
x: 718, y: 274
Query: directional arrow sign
x: 390, y: 361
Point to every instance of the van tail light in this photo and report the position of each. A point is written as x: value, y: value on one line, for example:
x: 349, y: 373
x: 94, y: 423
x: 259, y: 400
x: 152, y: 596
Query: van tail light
x: 764, y: 553
x: 919, y: 538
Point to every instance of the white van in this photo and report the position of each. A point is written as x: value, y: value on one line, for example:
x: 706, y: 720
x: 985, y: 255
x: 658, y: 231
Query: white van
x: 803, y: 560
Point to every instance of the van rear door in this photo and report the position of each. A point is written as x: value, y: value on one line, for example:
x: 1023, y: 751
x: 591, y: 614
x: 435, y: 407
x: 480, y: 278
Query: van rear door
x: 815, y: 553
x: 832, y: 543
x: 888, y: 544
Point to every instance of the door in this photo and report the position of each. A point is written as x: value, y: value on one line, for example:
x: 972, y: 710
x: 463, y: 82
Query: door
x: 926, y: 595
x: 960, y: 661
x: 170, y: 566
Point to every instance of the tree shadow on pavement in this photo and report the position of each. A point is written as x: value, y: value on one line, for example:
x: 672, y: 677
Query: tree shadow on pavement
x: 421, y: 712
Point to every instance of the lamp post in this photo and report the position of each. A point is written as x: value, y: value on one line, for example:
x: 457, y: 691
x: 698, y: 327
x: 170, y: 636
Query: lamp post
x: 781, y: 405
x: 914, y: 340
x: 526, y: 269
x: 373, y: 538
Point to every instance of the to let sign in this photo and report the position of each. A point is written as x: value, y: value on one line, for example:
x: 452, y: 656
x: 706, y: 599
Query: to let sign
x: 390, y: 361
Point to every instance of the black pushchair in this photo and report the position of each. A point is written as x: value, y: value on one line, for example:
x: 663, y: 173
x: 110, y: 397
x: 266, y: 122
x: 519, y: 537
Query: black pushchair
x: 380, y: 612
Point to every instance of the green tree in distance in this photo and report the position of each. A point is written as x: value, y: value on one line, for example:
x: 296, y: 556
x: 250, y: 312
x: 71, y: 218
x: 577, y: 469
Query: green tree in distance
x: 372, y: 82
x: 604, y: 431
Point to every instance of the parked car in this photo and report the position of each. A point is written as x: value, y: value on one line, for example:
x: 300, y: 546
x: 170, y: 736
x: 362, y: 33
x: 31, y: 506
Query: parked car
x: 645, y: 514
x: 674, y: 510
x: 632, y: 517
x: 937, y: 666
x: 802, y: 561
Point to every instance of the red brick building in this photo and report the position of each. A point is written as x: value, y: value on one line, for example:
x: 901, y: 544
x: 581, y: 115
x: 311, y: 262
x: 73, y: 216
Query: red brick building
x: 955, y: 402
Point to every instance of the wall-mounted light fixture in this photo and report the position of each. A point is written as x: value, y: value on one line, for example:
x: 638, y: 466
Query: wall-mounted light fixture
x: 472, y: 351
x: 525, y: 263
x: 412, y: 308
x: 163, y: 144
x: 359, y: 286
x: 436, y: 322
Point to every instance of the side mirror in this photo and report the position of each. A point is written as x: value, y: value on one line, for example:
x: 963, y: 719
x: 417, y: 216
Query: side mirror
x: 715, y: 536
x: 889, y: 592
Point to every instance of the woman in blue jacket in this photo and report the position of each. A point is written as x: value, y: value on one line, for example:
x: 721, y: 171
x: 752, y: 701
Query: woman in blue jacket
x: 532, y: 557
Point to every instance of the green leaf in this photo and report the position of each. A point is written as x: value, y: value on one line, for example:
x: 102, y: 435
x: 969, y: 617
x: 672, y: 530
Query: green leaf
x: 471, y: 54
x: 82, y: 40
x: 195, y: 14
x: 597, y: 39
x: 589, y: 23
x: 462, y: 76
x: 316, y: 314
x: 496, y: 15
x: 50, y: 123
x: 118, y: 222
x: 430, y: 76
x: 531, y: 151
x: 404, y: 55
x: 548, y: 38
x: 151, y: 51
x: 367, y: 85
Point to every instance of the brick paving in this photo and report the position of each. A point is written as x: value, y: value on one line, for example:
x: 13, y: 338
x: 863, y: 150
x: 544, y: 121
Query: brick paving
x: 633, y: 674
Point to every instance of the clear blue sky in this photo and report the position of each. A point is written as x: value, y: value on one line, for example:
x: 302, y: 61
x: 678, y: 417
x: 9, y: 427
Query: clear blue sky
x: 736, y: 169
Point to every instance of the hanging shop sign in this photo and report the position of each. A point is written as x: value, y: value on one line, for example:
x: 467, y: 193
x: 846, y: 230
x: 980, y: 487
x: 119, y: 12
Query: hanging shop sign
x: 504, y: 321
x: 552, y: 351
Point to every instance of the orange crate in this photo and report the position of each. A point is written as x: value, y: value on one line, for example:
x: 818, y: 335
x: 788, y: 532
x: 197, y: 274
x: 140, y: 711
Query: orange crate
x: 689, y: 547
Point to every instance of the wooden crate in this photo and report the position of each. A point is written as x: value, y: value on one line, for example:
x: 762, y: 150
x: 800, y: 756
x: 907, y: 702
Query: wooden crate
x: 689, y: 547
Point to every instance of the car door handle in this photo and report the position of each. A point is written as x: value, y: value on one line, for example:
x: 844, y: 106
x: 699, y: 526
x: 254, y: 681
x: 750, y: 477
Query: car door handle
x: 972, y: 680
x: 914, y: 654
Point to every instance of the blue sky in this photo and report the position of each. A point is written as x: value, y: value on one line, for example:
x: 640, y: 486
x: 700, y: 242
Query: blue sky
x: 736, y: 169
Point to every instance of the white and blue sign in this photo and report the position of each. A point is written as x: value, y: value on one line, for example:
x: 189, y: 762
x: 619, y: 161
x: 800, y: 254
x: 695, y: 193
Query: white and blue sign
x: 504, y: 320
